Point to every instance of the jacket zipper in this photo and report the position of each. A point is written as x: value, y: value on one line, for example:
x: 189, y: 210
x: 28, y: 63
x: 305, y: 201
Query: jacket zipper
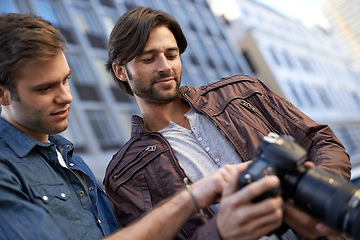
x: 139, y: 155
x: 256, y: 111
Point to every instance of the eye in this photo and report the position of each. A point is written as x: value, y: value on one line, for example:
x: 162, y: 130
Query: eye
x: 44, y: 89
x: 147, y: 60
x: 172, y: 57
x: 66, y: 80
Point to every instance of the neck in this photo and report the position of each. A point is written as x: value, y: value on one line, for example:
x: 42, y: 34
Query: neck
x: 41, y: 137
x: 158, y: 116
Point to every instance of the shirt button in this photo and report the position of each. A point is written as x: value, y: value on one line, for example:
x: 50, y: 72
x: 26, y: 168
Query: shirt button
x: 200, y: 138
x: 217, y: 160
x: 71, y: 164
x: 68, y: 146
x: 81, y: 193
x: 99, y: 221
x: 63, y: 195
x: 45, y: 198
x: 207, y: 149
x: 91, y: 188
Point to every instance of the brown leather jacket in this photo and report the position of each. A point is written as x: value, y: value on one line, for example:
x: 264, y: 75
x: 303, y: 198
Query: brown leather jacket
x: 145, y: 170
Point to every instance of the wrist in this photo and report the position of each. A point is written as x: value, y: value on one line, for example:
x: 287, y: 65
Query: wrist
x: 199, y: 212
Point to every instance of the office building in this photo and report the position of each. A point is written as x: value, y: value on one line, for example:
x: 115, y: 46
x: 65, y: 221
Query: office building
x: 344, y: 19
x: 309, y: 67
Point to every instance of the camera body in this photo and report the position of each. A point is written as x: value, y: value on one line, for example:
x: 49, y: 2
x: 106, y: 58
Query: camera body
x: 325, y: 196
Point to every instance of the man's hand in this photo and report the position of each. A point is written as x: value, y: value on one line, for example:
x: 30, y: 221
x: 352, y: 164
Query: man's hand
x: 208, y: 190
x: 305, y: 225
x: 239, y: 217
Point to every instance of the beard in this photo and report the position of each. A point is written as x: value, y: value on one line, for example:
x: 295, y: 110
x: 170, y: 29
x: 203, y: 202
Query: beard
x: 152, y: 95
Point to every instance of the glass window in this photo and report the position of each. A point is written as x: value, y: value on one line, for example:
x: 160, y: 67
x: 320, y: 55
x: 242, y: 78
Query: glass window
x: 295, y: 95
x: 108, y: 3
x: 195, y: 18
x: 50, y: 11
x: 356, y: 98
x: 109, y: 23
x: 305, y: 64
x: 179, y: 13
x: 73, y: 132
x: 354, y: 76
x: 53, y: 12
x: 193, y: 76
x: 105, y: 75
x: 79, y: 73
x: 164, y: 5
x: 307, y: 96
x: 101, y: 127
x: 86, y: 20
x: 232, y: 60
x: 209, y: 19
x: 324, y: 97
x: 125, y: 123
x: 131, y: 3
x: 274, y: 56
x: 196, y: 50
x: 288, y: 59
x: 7, y: 6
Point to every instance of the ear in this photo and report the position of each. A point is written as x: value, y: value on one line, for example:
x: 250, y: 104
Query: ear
x: 120, y: 72
x: 4, y: 96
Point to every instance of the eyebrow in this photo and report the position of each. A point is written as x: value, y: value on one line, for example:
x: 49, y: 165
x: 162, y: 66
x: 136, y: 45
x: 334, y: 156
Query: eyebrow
x: 155, y: 51
x: 51, y: 82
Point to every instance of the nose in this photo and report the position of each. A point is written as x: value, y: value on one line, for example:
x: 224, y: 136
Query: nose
x: 163, y: 65
x: 63, y: 94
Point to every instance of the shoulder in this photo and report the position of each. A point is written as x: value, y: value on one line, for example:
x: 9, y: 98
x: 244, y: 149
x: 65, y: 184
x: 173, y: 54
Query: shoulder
x: 237, y: 84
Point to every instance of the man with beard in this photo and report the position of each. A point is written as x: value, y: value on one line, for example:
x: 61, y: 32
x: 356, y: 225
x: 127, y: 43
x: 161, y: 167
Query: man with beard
x: 47, y: 191
x: 189, y: 132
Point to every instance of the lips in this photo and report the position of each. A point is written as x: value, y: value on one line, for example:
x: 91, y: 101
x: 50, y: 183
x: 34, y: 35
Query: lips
x: 61, y: 113
x: 165, y: 80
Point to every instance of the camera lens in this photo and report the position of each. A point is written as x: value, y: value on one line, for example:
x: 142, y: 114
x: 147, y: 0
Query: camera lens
x: 331, y: 199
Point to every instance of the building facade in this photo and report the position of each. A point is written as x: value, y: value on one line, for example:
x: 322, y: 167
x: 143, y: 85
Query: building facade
x: 344, y: 19
x: 306, y: 66
x: 99, y: 120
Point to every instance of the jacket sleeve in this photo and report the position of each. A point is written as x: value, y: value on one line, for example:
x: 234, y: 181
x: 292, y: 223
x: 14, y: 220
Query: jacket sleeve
x: 324, y: 148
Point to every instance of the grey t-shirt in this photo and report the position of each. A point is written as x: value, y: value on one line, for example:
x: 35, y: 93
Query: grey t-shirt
x: 201, y: 150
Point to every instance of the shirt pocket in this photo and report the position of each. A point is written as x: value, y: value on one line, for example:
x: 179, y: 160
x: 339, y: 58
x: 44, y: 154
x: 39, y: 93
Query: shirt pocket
x: 50, y: 193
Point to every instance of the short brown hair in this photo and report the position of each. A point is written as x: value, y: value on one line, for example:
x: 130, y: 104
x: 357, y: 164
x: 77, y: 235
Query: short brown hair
x: 130, y: 34
x: 25, y: 38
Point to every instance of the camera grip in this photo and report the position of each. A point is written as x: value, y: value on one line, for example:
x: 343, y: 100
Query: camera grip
x: 246, y: 179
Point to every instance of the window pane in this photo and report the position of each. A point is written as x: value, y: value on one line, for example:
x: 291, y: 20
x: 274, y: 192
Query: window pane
x: 7, y: 6
x: 101, y: 128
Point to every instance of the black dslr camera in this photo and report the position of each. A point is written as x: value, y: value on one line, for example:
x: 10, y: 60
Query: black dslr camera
x: 324, y: 196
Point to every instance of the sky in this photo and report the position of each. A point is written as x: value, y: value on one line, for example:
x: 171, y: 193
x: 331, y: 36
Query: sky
x: 306, y: 11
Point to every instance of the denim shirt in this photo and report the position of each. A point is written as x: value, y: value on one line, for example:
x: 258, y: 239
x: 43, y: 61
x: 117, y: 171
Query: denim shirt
x: 40, y: 199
